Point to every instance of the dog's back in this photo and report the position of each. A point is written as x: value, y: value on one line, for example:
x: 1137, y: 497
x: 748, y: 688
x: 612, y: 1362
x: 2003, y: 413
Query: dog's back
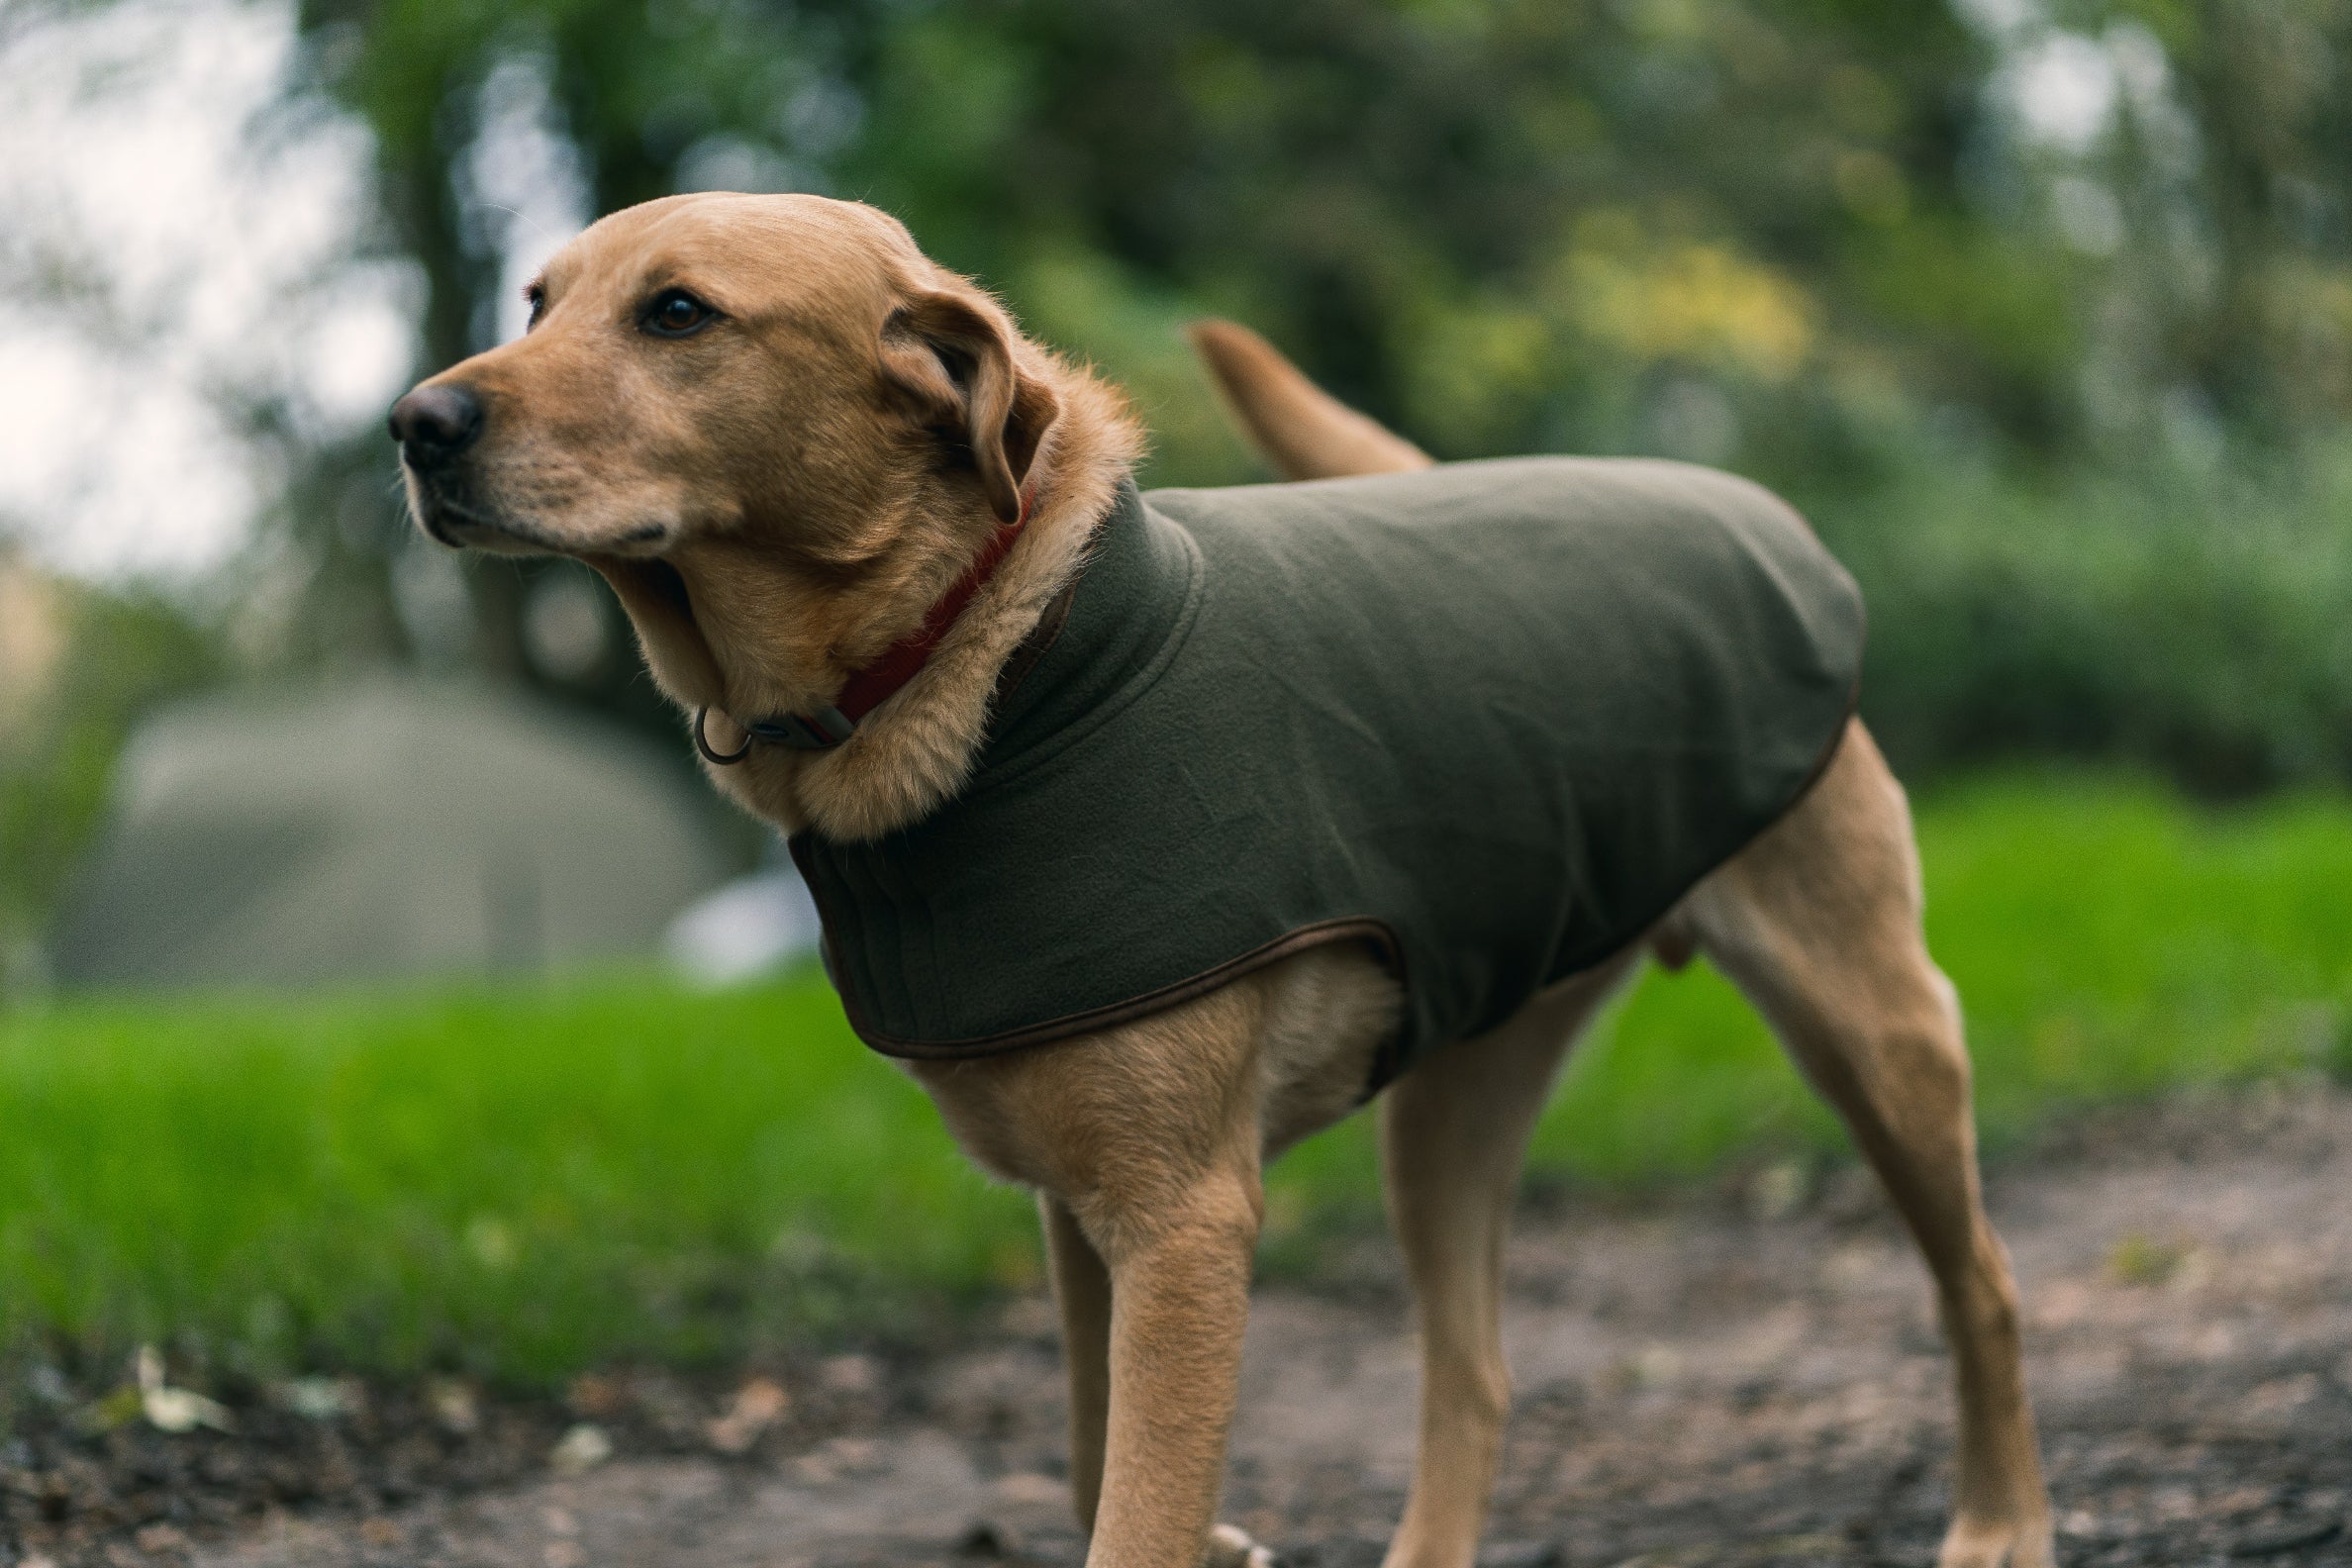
x: 1495, y: 718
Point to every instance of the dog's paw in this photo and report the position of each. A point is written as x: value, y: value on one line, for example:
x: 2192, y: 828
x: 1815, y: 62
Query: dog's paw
x: 1230, y: 1547
x: 2019, y: 1543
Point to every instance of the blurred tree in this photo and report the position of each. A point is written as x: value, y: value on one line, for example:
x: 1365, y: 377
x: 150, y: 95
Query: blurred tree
x: 78, y: 666
x: 1745, y: 228
x: 1823, y: 241
x: 1508, y: 227
x: 2265, y: 89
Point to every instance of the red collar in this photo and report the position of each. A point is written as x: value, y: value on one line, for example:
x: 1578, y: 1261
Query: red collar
x: 878, y: 682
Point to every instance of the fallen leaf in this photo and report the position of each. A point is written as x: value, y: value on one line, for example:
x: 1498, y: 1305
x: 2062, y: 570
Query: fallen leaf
x: 453, y: 1405
x: 594, y: 1396
x: 2136, y: 1259
x: 581, y: 1449
x: 176, y: 1410
x: 1778, y: 1189
x: 757, y: 1406
x: 319, y: 1398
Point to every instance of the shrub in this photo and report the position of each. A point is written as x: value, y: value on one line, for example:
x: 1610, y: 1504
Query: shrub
x: 2194, y: 622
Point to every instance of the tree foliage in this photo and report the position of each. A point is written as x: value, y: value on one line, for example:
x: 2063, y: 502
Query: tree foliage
x: 1757, y: 227
x: 1848, y: 246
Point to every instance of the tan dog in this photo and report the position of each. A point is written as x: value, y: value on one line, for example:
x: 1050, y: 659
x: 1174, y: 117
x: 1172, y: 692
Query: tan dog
x: 783, y: 435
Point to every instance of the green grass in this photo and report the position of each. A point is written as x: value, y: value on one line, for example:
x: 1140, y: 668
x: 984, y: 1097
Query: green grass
x: 525, y: 1181
x: 517, y: 1183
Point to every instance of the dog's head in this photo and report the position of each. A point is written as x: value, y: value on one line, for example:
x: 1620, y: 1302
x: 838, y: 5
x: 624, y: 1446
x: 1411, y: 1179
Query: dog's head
x: 767, y: 420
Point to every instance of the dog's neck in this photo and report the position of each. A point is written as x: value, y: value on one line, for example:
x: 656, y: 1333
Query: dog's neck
x: 917, y: 749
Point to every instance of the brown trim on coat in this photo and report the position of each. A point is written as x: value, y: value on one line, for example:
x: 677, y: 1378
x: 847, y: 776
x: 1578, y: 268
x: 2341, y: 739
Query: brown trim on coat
x: 1375, y: 932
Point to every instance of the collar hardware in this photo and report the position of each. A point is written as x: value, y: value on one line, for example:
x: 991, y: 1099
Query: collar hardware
x: 821, y: 731
x: 879, y: 681
x: 710, y: 753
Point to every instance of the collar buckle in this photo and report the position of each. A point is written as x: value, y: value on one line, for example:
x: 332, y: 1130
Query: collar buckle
x: 821, y: 731
x: 818, y: 731
x: 870, y: 687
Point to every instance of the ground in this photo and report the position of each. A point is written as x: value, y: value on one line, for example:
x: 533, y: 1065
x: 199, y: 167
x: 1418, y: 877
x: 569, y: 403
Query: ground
x: 1745, y: 1374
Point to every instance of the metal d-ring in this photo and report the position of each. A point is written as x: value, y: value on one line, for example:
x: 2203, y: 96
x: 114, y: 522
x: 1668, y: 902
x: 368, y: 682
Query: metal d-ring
x: 702, y: 744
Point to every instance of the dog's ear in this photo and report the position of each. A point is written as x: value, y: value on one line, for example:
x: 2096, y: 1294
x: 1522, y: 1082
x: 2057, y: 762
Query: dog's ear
x: 949, y: 359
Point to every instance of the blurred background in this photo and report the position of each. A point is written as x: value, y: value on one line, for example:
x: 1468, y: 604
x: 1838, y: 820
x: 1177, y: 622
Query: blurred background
x: 2042, y: 309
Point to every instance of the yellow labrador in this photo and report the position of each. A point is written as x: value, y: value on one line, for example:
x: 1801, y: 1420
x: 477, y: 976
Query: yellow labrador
x: 803, y: 454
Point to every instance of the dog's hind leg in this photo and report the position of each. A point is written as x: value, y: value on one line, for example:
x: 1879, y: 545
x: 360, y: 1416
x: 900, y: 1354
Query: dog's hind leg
x: 1817, y: 921
x: 1082, y: 1291
x: 1453, y: 1135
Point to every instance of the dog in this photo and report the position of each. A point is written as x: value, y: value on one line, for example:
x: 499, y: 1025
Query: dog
x: 847, y: 507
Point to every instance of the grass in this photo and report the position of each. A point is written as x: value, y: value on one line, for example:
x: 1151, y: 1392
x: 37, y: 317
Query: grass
x: 522, y: 1183
x: 516, y: 1183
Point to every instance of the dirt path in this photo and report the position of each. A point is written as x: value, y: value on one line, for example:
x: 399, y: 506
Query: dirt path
x: 1700, y: 1385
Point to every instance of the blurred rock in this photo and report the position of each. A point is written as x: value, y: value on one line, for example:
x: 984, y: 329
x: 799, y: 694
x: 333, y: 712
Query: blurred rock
x: 581, y: 1449
x: 751, y: 926
x: 382, y: 829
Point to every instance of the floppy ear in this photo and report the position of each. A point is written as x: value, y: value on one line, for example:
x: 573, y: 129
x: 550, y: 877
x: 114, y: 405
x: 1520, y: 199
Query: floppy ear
x: 951, y: 359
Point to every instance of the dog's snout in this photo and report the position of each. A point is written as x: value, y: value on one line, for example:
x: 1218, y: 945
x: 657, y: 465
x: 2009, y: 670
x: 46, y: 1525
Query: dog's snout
x: 434, y: 424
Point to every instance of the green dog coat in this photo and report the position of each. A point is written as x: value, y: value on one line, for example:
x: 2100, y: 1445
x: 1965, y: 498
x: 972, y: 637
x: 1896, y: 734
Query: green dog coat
x: 1490, y: 719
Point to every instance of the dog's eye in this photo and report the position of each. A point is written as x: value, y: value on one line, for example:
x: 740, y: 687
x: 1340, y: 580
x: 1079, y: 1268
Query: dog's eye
x: 675, y: 313
x: 535, y: 296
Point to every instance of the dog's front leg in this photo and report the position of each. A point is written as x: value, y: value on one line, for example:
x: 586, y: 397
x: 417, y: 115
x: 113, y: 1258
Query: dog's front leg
x: 1143, y: 1142
x: 1179, y: 1300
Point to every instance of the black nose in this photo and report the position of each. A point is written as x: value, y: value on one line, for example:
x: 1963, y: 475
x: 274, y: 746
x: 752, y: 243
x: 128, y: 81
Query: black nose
x: 434, y: 424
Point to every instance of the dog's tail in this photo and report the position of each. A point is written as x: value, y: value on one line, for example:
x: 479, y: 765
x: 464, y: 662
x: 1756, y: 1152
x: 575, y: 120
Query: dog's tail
x: 1296, y: 426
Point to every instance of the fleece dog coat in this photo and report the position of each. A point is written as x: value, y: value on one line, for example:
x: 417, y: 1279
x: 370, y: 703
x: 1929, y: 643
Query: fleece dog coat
x: 1490, y: 719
